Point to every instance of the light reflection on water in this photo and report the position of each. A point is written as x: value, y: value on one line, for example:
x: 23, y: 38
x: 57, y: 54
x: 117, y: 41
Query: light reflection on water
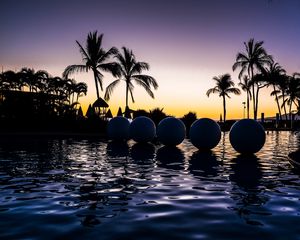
x: 70, y: 188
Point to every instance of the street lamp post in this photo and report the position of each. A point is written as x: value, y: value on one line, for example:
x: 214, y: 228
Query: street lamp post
x: 244, y: 109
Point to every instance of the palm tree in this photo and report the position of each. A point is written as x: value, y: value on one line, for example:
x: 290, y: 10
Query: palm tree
x: 157, y: 114
x: 282, y: 87
x: 95, y: 58
x: 33, y: 79
x: 254, y: 59
x: 245, y: 85
x: 292, y: 93
x: 274, y: 74
x: 80, y: 88
x: 11, y: 80
x: 129, y: 70
x: 224, y: 86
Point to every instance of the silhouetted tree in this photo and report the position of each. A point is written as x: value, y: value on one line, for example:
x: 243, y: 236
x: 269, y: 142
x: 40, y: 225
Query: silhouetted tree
x: 129, y: 70
x: 157, y: 115
x: 45, y: 96
x: 292, y: 93
x: 282, y: 85
x: 188, y: 120
x: 34, y: 80
x: 253, y: 60
x: 11, y: 80
x: 80, y: 88
x: 120, y: 114
x: 224, y: 86
x: 140, y: 112
x: 274, y: 74
x: 95, y: 58
x: 245, y: 85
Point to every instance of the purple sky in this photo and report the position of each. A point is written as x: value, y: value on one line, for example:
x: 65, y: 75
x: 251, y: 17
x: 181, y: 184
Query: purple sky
x: 186, y: 42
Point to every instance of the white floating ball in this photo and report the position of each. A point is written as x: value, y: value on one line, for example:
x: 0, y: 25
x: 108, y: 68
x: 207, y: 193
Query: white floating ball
x: 247, y: 136
x: 171, y: 131
x: 142, y: 129
x: 205, y: 134
x: 118, y: 128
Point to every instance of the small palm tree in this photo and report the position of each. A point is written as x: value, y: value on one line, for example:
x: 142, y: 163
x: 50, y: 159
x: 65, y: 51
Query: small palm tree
x: 129, y: 70
x: 224, y: 86
x: 274, y: 74
x: 157, y: 114
x: 254, y: 59
x: 292, y: 93
x: 245, y: 85
x: 282, y: 88
x: 95, y: 58
x: 33, y: 79
x: 80, y: 88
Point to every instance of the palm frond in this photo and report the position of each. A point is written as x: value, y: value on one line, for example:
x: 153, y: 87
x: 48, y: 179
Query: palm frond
x: 145, y: 86
x: 106, y: 55
x: 74, y: 69
x: 84, y: 54
x: 110, y: 88
x: 112, y: 68
x: 235, y: 91
x: 150, y: 81
x: 139, y: 67
x: 212, y: 90
x: 275, y: 92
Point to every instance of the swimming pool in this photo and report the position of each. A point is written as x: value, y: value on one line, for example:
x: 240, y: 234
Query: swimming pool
x: 78, y: 188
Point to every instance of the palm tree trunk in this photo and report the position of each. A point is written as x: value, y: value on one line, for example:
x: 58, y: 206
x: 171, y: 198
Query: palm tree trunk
x: 284, y: 107
x: 224, y: 109
x: 253, y: 95
x: 96, y: 84
x: 291, y: 115
x: 277, y: 101
x: 127, y: 90
x: 256, y: 102
x: 248, y: 105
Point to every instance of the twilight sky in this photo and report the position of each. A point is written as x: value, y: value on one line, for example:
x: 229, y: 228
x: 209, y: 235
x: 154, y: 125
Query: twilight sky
x: 186, y: 43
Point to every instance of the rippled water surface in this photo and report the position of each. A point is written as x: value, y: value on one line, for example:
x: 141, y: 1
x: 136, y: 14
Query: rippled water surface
x: 78, y: 189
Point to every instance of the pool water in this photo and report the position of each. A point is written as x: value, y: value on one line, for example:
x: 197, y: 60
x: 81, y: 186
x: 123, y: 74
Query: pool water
x: 83, y: 189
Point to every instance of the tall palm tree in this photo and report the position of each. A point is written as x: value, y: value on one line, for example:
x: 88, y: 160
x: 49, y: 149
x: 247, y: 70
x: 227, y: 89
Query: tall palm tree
x: 129, y: 70
x: 254, y: 59
x: 274, y: 74
x: 224, y: 86
x: 95, y: 58
x: 245, y: 85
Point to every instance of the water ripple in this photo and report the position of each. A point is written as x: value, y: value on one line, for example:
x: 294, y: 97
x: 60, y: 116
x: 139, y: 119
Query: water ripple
x: 70, y: 188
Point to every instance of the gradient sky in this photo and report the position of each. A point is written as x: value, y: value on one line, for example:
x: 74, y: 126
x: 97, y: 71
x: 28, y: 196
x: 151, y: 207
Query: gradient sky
x: 185, y: 42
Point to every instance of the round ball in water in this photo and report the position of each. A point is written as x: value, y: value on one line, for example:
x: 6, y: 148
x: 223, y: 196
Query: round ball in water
x: 247, y: 136
x: 142, y: 129
x: 205, y: 134
x: 118, y: 128
x: 171, y: 131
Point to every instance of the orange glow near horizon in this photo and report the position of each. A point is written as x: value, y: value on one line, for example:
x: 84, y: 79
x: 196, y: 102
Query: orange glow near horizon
x: 177, y: 99
x: 179, y: 92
